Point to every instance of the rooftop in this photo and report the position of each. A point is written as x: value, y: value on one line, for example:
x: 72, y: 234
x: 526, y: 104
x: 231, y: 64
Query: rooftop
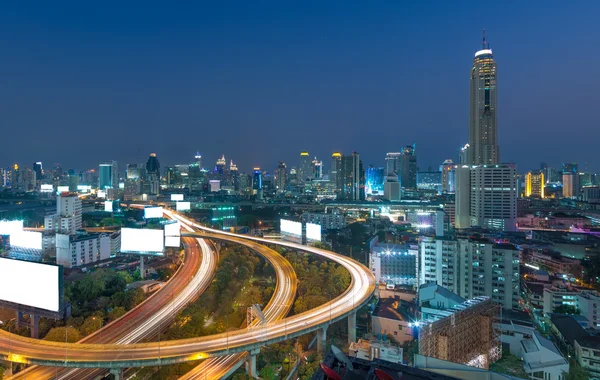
x: 443, y: 292
x: 570, y: 329
x: 592, y: 342
x: 390, y: 308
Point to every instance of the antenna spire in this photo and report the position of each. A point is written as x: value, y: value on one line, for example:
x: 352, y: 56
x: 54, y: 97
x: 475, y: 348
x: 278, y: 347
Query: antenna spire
x: 484, y: 44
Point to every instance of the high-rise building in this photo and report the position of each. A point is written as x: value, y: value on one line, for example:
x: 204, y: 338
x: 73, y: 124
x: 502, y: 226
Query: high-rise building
x: 153, y: 174
x: 335, y: 172
x: 281, y: 177
x: 472, y: 267
x: 37, y: 168
x: 235, y: 176
x: 68, y: 217
x: 463, y: 155
x: 374, y: 181
x: 305, y: 168
x: 493, y: 198
x: 534, y: 185
x: 429, y: 181
x: 392, y: 164
x: 462, y: 209
x: 353, y: 178
x: 408, y: 168
x: 448, y: 169
x: 220, y: 167
x: 317, y: 169
x: 108, y: 175
x: 257, y: 187
x: 570, y: 188
x: 483, y: 140
x: 198, y: 159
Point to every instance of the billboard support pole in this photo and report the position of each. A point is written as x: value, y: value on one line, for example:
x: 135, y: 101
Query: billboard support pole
x: 142, y: 271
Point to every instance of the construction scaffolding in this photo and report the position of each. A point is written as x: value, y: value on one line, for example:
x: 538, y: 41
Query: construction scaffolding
x: 468, y: 336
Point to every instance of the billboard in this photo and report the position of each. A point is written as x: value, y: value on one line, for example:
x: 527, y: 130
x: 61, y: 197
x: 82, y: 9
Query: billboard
x: 9, y: 227
x: 26, y: 239
x: 153, y: 212
x: 101, y: 194
x: 290, y: 227
x: 313, y: 231
x: 135, y: 240
x: 108, y: 206
x: 172, y: 241
x: 31, y: 284
x: 46, y: 188
x: 173, y: 229
x: 62, y: 189
x: 183, y: 206
x: 176, y: 197
x: 84, y: 188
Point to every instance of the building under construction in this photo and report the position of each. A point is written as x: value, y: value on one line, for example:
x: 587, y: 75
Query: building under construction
x: 468, y: 336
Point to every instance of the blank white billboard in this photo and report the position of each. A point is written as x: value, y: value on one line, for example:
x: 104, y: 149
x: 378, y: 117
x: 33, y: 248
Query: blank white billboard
x: 29, y: 283
x: 84, y: 188
x: 108, y: 206
x: 173, y: 229
x: 176, y: 197
x: 313, y: 231
x: 290, y: 227
x: 153, y: 212
x: 183, y: 206
x: 172, y: 241
x: 101, y: 194
x: 26, y: 239
x: 62, y: 189
x: 46, y: 188
x: 135, y: 240
x: 9, y: 227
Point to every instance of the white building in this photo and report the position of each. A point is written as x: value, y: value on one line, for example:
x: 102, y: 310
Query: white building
x: 392, y: 191
x: 488, y: 196
x: 375, y: 349
x: 334, y: 220
x: 394, y: 263
x: 434, y: 300
x: 587, y: 301
x: 389, y: 319
x: 472, y: 267
x: 68, y: 217
x: 587, y: 352
x: 78, y: 250
x: 541, y: 358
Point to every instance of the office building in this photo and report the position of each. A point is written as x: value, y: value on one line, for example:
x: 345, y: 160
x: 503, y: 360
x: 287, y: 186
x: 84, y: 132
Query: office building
x: 570, y: 185
x: 257, y: 185
x: 305, y: 168
x: 108, y: 176
x: 392, y: 191
x: 492, y: 197
x: 152, y: 175
x: 82, y: 249
x: 37, y: 168
x: 333, y: 220
x: 316, y: 169
x: 281, y: 177
x: 408, y: 167
x: 483, y: 139
x: 393, y: 164
x: 448, y: 169
x: 374, y: 181
x: 394, y: 263
x: 438, y: 262
x: 534, y: 185
x: 353, y: 178
x: 429, y: 181
x: 334, y: 172
x: 220, y: 166
x: 463, y: 155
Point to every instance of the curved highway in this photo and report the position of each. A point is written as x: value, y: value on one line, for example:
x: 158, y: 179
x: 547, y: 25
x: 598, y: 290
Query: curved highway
x: 146, y: 319
x: 21, y: 349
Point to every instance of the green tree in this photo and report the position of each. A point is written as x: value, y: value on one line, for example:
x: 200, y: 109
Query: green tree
x: 567, y: 309
x: 577, y: 372
x: 91, y: 324
x: 116, y: 313
x: 59, y: 334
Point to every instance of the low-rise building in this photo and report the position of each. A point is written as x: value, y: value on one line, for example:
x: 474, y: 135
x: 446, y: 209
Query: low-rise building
x: 82, y: 249
x: 587, y: 353
x: 435, y: 300
x: 558, y: 299
x: 541, y: 358
x: 394, y: 263
x: 390, y: 319
x: 334, y: 220
x: 376, y: 349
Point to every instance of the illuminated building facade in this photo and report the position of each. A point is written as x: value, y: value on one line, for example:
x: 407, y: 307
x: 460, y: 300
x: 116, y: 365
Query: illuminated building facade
x: 374, y: 182
x: 448, y: 169
x: 305, y: 168
x: 281, y: 181
x: 483, y: 139
x: 534, y: 185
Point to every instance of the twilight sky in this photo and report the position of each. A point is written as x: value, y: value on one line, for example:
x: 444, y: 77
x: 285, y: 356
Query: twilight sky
x: 262, y: 80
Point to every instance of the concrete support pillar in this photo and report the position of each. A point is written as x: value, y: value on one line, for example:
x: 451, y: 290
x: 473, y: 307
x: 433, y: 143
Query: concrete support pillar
x: 321, y: 340
x: 251, y: 363
x: 7, y: 368
x: 117, y: 373
x: 352, y: 328
x: 34, y: 326
x: 142, y: 269
x: 19, y: 318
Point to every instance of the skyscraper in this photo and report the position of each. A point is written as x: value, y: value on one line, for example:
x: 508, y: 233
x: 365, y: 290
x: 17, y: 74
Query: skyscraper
x: 153, y: 174
x: 37, y: 168
x: 281, y: 177
x: 483, y: 140
x: 448, y: 169
x: 198, y: 159
x: 220, y: 167
x: 353, y: 178
x: 408, y: 167
x: 534, y: 184
x: 374, y: 182
x: 392, y: 164
x: 108, y: 176
x: 257, y: 183
x: 494, y: 197
x: 335, y: 172
x: 305, y: 168
x: 317, y: 169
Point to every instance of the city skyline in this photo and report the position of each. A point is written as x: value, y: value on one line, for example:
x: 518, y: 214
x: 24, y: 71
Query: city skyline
x: 338, y: 102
